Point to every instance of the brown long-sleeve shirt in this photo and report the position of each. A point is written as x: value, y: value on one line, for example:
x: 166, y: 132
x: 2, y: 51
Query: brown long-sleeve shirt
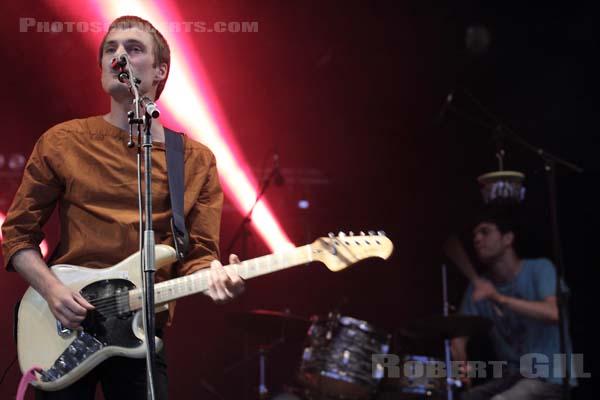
x: 86, y: 168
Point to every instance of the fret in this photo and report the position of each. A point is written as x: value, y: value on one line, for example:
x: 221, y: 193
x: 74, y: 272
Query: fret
x: 194, y: 283
x: 256, y: 268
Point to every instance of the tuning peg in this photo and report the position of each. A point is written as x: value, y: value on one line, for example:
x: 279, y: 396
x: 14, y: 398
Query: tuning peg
x: 381, y: 233
x: 371, y: 233
x: 331, y: 235
x: 362, y: 233
x: 341, y: 234
x: 351, y: 233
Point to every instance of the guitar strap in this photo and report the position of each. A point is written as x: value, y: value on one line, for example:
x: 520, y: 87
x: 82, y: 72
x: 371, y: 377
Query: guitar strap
x: 175, y: 173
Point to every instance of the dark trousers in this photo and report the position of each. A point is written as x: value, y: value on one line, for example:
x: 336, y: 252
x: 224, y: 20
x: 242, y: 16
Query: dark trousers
x: 514, y: 387
x: 120, y: 378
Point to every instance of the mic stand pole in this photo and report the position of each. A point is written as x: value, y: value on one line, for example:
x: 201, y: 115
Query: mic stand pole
x: 243, y: 228
x: 147, y: 256
x: 550, y: 163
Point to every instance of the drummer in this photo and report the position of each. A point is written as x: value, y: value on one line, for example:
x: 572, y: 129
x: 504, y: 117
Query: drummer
x: 518, y: 295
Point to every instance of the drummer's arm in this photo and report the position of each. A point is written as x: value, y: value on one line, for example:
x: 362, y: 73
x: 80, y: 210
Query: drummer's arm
x: 458, y: 347
x: 544, y: 310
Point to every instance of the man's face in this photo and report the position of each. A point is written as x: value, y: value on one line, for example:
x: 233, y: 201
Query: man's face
x: 138, y: 46
x: 489, y: 242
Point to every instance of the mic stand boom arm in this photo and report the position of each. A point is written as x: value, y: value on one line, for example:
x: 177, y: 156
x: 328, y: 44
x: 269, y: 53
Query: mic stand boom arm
x: 243, y: 228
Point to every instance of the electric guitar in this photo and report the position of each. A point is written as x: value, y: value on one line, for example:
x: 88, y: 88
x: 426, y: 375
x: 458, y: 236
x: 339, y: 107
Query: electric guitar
x: 114, y: 327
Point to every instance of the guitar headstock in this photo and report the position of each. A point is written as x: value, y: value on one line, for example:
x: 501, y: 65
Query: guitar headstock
x: 341, y: 251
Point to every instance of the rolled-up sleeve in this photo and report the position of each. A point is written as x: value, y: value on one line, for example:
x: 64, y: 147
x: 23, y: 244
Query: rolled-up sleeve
x: 34, y: 201
x: 204, y: 222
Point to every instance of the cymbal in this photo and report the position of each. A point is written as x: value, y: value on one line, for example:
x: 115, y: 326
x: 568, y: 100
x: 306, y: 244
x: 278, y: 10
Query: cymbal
x: 439, y: 326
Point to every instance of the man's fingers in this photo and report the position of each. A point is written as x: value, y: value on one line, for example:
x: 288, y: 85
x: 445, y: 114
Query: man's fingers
x: 222, y: 280
x: 82, y: 301
x: 235, y: 282
x: 224, y: 284
x: 72, y: 305
x: 216, y: 277
x: 68, y: 318
x: 211, y: 285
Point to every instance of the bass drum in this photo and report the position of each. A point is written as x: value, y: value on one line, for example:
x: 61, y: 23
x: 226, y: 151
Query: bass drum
x: 337, y: 359
x: 420, y: 378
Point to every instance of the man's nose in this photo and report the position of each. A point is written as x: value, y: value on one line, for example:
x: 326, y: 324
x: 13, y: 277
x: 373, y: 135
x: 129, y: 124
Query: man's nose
x: 118, y: 53
x: 121, y: 50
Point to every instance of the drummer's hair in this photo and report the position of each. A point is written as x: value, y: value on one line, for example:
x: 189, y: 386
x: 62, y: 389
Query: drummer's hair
x: 506, y: 218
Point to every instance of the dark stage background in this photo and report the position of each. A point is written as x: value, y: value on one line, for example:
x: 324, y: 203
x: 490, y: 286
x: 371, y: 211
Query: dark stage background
x: 349, y: 95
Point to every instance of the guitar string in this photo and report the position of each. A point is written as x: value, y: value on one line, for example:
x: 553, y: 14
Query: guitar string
x: 107, y: 305
x: 111, y: 309
x: 110, y: 299
x: 104, y: 303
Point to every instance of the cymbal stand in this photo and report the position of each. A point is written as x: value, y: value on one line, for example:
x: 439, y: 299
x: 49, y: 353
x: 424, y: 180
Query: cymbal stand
x: 262, y: 352
x: 449, y: 380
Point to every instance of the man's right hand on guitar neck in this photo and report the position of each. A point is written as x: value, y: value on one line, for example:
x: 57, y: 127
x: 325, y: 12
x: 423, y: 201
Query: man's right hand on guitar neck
x: 67, y: 305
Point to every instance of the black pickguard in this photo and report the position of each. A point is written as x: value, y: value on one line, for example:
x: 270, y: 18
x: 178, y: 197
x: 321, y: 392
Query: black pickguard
x: 111, y: 321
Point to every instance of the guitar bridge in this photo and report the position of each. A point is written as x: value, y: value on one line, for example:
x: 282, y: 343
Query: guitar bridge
x: 79, y: 350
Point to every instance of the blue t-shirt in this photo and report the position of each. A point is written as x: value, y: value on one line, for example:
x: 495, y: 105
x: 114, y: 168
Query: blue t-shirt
x: 514, y: 335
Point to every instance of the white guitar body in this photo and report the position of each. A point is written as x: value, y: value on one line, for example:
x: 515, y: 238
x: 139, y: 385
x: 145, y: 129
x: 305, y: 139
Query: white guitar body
x: 39, y: 343
x: 114, y: 327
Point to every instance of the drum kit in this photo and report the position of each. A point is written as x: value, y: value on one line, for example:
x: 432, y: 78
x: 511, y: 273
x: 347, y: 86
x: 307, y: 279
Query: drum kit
x: 337, y: 362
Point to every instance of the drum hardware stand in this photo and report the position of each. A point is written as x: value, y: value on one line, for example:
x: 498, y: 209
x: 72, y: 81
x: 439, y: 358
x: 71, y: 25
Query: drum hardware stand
x: 449, y: 380
x: 263, y: 392
x: 262, y: 353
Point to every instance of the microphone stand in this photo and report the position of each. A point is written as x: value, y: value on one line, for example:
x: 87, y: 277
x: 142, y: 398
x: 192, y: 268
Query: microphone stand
x: 147, y: 241
x: 551, y: 162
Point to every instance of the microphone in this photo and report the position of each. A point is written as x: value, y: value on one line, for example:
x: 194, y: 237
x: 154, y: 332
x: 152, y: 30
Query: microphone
x: 277, y: 177
x: 119, y: 62
x: 150, y: 107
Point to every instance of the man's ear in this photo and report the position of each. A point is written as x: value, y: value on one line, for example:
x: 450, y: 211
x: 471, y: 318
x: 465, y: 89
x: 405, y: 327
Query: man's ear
x: 161, y: 72
x: 508, y: 238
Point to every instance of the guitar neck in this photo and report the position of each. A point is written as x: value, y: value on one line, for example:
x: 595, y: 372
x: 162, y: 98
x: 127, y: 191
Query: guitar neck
x: 198, y: 282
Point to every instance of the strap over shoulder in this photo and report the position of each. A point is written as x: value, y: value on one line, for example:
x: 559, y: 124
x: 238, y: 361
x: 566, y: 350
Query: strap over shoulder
x: 175, y: 173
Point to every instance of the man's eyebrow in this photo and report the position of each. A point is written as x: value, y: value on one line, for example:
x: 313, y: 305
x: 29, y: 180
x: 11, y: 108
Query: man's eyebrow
x: 481, y: 228
x: 128, y: 41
